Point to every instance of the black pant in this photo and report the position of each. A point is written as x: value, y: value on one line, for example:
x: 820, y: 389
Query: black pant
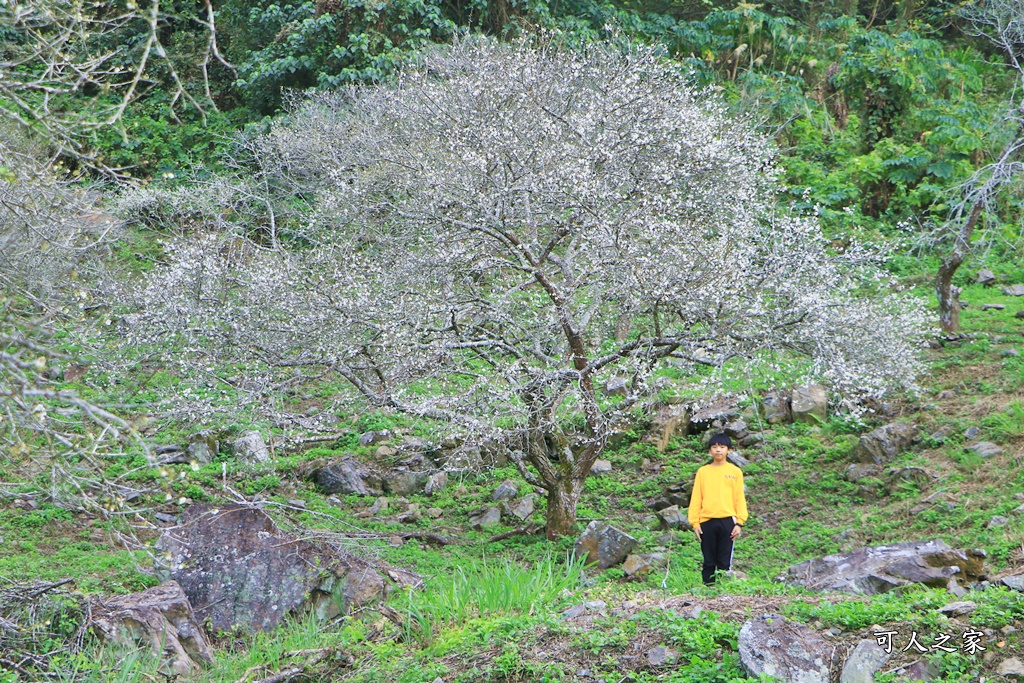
x: 716, y: 545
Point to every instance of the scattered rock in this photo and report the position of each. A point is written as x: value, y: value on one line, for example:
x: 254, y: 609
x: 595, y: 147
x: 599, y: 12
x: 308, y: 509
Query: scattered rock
x: 1019, y: 314
x: 485, y: 518
x: 810, y: 404
x: 380, y: 505
x: 958, y: 609
x: 1011, y: 668
x: 736, y: 430
x: 1009, y: 353
x: 250, y: 447
x: 405, y: 482
x: 411, y: 514
x: 1014, y: 290
x: 374, y: 437
x: 882, y: 445
x: 1014, y: 583
x: 918, y: 476
x: 986, y: 449
x: 604, y: 545
x: 507, y: 490
x: 161, y: 618
x: 601, y: 467
x: 415, y: 444
x: 972, y: 433
x: 202, y: 447
x: 751, y: 439
x: 719, y: 412
x: 858, y: 471
x: 463, y: 458
x: 673, y: 518
x: 616, y: 386
x: 777, y: 408
x: 434, y: 513
x: 986, y: 277
x: 348, y: 476
x: 523, y: 508
x: 297, y: 503
x: 997, y: 521
x: 385, y: 451
x: 879, y: 569
x: 772, y: 645
x: 246, y: 573
x: 574, y: 612
x: 669, y: 421
x: 165, y: 518
x: 992, y: 307
x: 436, y: 483
x: 636, y: 565
x: 955, y: 589
x: 662, y: 656
x: 862, y: 663
x: 736, y: 458
x: 675, y: 494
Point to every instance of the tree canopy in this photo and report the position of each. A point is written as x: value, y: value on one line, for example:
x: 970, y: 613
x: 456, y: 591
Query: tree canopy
x: 502, y: 227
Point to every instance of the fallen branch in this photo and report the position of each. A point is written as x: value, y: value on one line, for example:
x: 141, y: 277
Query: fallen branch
x: 316, y: 656
x: 48, y: 587
x: 528, y: 530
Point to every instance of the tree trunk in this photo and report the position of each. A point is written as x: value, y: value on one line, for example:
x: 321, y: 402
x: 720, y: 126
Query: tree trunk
x: 561, y: 512
x: 948, y: 295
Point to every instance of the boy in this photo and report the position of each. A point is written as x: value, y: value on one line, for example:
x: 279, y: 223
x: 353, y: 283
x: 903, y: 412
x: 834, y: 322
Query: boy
x: 718, y: 508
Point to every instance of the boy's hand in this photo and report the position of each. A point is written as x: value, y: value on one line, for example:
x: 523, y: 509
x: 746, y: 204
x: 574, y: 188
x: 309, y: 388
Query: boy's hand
x: 696, y: 530
x: 736, y: 531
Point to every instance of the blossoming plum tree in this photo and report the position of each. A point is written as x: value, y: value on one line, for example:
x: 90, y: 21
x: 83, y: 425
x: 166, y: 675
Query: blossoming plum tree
x: 502, y: 228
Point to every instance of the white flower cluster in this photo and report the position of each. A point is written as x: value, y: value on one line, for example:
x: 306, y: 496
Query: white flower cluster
x: 502, y: 227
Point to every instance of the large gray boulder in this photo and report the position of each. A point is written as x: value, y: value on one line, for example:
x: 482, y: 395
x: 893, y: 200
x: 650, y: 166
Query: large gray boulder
x: 347, y: 476
x: 250, y: 447
x: 882, y: 445
x: 159, y: 618
x: 792, y: 652
x: 604, y: 545
x: 879, y: 569
x: 241, y: 571
x: 668, y: 421
x: 810, y: 404
x: 863, y: 662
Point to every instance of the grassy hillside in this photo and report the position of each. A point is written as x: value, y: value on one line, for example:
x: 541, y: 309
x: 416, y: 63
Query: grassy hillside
x: 493, y: 611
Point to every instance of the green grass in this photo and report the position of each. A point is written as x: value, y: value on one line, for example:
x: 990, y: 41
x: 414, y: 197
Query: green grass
x: 489, y: 588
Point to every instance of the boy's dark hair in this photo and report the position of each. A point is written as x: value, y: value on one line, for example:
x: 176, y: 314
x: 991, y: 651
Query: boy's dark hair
x: 722, y: 439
